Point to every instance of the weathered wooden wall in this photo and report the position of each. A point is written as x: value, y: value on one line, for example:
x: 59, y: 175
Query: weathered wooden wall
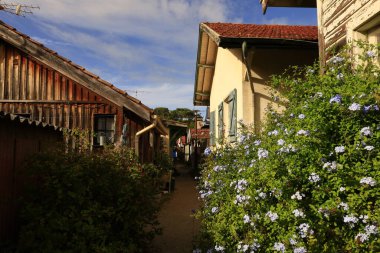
x: 336, y: 15
x: 28, y: 87
x: 18, y: 142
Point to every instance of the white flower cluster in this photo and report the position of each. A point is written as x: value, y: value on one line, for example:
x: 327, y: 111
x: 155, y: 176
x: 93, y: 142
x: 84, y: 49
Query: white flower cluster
x: 274, y: 132
x: 246, y: 219
x: 241, y: 185
x: 262, y: 195
x: 218, y: 168
x: 330, y: 166
x: 303, y: 132
x: 369, y: 230
x: 298, y: 213
x: 354, y: 107
x: 241, y: 247
x: 301, y: 116
x: 344, y: 206
x: 369, y: 148
x: 304, y: 230
x: 368, y: 181
x: 219, y: 248
x: 262, y: 153
x: 297, y: 195
x: 351, y: 220
x: 280, y: 142
x: 214, y: 209
x: 300, y: 250
x: 241, y: 199
x: 204, y: 194
x: 272, y: 216
x: 278, y: 246
x: 287, y: 149
x: 339, y: 149
x: 366, y: 131
x: 314, y: 178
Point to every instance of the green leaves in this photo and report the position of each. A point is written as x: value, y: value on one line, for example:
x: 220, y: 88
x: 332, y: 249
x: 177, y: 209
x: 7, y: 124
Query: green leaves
x: 316, y: 166
x: 88, y: 203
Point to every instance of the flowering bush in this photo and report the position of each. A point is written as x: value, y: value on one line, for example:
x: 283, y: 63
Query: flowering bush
x: 309, y: 182
x: 88, y: 203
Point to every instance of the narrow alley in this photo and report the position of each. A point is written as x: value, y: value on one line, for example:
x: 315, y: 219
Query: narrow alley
x: 176, y: 216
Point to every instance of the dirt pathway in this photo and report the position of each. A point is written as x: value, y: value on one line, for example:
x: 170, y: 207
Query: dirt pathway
x: 179, y: 227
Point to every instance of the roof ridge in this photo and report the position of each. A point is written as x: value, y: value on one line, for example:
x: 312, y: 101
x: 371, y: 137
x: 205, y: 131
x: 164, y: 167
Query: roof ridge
x: 68, y: 61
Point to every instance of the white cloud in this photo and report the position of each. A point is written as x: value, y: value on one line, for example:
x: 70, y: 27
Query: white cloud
x: 277, y: 21
x: 156, y: 20
x: 164, y: 95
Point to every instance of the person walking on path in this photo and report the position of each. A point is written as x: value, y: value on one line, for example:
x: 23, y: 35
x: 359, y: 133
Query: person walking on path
x: 176, y: 215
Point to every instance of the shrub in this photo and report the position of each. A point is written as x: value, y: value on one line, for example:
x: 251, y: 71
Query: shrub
x: 88, y: 203
x: 309, y: 182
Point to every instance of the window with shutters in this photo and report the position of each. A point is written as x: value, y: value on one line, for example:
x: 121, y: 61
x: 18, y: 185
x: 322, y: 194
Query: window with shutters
x: 212, y: 128
x: 232, y: 117
x: 220, y: 122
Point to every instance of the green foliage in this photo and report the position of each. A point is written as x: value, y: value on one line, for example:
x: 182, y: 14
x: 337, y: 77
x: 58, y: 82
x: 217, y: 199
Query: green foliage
x: 88, y: 203
x: 180, y: 114
x: 310, y: 181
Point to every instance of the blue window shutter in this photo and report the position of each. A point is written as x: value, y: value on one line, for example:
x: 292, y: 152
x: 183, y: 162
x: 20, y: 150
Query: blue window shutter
x: 220, y: 122
x: 232, y: 106
x: 212, y: 128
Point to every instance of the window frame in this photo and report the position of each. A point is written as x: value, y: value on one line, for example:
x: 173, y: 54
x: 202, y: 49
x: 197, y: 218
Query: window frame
x: 108, y: 140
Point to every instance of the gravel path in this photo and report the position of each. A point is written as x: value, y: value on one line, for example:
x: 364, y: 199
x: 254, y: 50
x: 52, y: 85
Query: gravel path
x: 179, y: 227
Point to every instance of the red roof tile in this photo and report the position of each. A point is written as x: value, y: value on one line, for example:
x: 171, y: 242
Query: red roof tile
x: 289, y: 32
x: 200, y: 133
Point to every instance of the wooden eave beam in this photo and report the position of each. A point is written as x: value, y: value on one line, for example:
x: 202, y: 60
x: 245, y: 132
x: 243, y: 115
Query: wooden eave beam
x: 203, y: 94
x: 287, y: 3
x: 206, y: 66
x: 70, y: 71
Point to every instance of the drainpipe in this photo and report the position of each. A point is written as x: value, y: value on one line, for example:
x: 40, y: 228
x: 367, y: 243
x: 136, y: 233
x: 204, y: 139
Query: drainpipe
x: 244, y: 48
x: 143, y: 131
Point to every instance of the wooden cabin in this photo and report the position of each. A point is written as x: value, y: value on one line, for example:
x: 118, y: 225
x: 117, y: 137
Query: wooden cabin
x: 37, y: 83
x: 20, y: 139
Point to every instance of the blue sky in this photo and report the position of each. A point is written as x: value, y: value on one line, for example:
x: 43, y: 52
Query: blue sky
x: 148, y: 46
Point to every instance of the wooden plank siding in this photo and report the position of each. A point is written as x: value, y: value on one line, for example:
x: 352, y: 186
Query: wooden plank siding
x: 19, y: 141
x: 33, y: 89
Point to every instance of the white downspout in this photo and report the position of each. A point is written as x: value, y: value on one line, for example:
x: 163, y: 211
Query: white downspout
x: 143, y: 131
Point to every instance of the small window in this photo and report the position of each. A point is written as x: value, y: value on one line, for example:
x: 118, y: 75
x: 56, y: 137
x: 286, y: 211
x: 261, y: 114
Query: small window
x: 104, y: 129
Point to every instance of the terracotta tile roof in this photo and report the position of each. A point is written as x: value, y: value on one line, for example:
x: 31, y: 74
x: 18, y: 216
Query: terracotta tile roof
x: 289, y: 32
x: 92, y: 75
x: 200, y: 133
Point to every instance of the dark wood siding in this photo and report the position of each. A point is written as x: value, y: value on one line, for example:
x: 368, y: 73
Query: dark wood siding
x: 18, y: 142
x: 30, y: 88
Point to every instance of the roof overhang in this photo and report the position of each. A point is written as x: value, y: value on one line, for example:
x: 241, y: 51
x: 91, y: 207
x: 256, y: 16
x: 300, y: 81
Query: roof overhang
x: 288, y: 3
x: 67, y: 68
x: 208, y: 43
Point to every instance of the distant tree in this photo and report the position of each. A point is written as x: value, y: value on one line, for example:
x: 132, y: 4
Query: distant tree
x: 182, y: 114
x: 163, y: 112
